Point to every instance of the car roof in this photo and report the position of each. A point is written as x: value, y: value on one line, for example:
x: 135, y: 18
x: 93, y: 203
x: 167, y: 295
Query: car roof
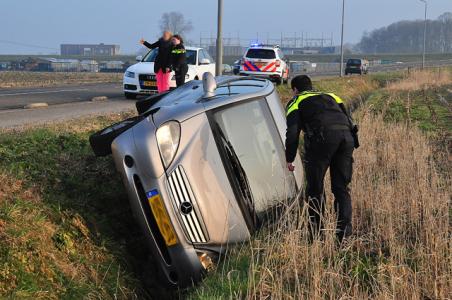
x: 193, y: 48
x: 189, y: 100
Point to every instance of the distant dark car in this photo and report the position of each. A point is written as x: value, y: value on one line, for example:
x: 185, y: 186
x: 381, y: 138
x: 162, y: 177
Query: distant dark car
x: 357, y: 66
x: 236, y: 67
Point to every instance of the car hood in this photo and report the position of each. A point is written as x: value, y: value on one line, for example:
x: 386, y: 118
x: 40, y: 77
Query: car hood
x: 142, y: 68
x: 148, y: 68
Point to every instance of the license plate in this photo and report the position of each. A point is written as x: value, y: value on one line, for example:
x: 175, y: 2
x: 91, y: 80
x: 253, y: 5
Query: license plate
x: 162, y: 218
x: 150, y: 83
x: 260, y: 64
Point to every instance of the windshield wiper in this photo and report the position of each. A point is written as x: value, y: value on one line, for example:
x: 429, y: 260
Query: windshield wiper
x: 240, y: 175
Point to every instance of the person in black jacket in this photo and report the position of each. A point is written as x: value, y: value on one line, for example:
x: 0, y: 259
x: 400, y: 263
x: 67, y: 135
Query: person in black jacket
x: 329, y: 140
x: 179, y: 59
x: 162, y: 64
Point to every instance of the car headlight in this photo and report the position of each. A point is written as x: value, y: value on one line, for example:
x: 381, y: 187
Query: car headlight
x: 168, y: 137
x: 130, y: 74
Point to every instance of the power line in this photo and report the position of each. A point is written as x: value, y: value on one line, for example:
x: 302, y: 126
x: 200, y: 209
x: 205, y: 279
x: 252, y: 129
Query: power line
x: 26, y: 45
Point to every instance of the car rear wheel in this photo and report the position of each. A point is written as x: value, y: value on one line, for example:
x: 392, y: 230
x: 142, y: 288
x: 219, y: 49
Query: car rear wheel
x: 130, y: 95
x: 101, y: 141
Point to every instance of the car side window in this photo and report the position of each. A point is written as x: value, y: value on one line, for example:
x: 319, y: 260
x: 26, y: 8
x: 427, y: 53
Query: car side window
x: 200, y: 56
x: 207, y: 55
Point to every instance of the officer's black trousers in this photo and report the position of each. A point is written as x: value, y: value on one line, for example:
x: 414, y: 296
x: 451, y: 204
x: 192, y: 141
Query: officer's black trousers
x: 180, y: 75
x: 333, y: 149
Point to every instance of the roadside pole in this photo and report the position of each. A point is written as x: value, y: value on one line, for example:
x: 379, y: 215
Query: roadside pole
x: 219, y: 63
x: 341, y: 69
x: 425, y: 34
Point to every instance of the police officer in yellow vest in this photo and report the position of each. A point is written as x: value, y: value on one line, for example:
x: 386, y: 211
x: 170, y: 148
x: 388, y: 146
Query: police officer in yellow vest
x: 329, y: 140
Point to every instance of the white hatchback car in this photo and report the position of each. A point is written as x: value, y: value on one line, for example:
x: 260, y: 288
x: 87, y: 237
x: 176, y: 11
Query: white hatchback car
x: 139, y: 79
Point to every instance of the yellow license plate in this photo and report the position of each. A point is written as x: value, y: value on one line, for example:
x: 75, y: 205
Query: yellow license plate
x: 150, y: 83
x: 162, y: 218
x: 260, y: 64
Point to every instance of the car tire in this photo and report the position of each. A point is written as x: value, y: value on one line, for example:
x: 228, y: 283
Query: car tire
x: 101, y: 141
x: 130, y: 96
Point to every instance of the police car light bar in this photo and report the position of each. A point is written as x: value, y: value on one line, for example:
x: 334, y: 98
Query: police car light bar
x: 257, y: 45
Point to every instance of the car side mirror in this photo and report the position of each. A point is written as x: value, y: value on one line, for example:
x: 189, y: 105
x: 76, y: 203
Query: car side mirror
x: 139, y: 58
x: 204, y: 61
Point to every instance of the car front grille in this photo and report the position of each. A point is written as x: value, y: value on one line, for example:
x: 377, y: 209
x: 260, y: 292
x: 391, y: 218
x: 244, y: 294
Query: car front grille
x: 144, y: 77
x: 184, y: 202
x: 147, y: 78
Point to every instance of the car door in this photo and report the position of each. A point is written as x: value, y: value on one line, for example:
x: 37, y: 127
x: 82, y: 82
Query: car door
x: 254, y: 158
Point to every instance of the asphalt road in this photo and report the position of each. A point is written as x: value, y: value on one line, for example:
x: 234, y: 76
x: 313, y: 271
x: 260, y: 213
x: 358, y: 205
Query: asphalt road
x: 65, y: 102
x: 62, y: 112
x: 18, y: 98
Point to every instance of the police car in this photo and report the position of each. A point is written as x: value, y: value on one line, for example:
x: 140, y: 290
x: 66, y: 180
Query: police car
x: 265, y: 61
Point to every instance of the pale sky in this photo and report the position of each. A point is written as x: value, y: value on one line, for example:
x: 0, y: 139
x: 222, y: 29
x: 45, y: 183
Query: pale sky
x: 48, y: 23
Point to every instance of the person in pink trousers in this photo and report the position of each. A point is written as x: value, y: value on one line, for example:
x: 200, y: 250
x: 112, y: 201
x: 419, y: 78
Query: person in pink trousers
x: 162, y: 64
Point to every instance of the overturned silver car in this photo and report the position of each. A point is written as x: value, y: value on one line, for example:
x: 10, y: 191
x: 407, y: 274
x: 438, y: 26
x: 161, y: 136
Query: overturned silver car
x: 204, y: 167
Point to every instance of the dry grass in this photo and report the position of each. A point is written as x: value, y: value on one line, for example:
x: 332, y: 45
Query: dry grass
x: 401, y: 248
x: 45, y: 79
x: 419, y: 79
x: 353, y: 90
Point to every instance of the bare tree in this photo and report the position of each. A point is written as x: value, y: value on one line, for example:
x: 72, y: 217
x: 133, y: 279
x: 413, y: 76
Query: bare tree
x: 406, y: 37
x: 176, y: 23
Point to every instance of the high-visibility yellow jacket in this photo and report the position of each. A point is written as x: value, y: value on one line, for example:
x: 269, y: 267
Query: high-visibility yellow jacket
x: 313, y: 112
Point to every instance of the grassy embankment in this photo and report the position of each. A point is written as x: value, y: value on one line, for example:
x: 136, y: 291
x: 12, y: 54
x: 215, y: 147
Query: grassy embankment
x: 13, y: 79
x: 66, y: 230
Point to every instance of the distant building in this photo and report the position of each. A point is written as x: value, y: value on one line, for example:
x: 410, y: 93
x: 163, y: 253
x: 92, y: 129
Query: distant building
x: 5, y: 65
x: 63, y: 65
x: 89, y: 50
x: 111, y: 66
x: 89, y: 66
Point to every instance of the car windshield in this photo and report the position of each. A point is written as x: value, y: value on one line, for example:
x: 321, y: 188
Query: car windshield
x: 261, y: 53
x: 152, y: 54
x: 354, y: 62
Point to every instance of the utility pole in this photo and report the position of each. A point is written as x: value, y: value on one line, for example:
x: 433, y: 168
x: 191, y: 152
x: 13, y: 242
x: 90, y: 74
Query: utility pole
x: 341, y: 70
x: 219, y: 64
x: 425, y: 34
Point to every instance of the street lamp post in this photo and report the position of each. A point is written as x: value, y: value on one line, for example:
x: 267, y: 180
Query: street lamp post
x: 341, y: 70
x: 219, y: 52
x: 425, y: 34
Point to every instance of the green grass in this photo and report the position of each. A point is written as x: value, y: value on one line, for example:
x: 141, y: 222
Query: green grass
x: 65, y: 226
x: 429, y: 109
